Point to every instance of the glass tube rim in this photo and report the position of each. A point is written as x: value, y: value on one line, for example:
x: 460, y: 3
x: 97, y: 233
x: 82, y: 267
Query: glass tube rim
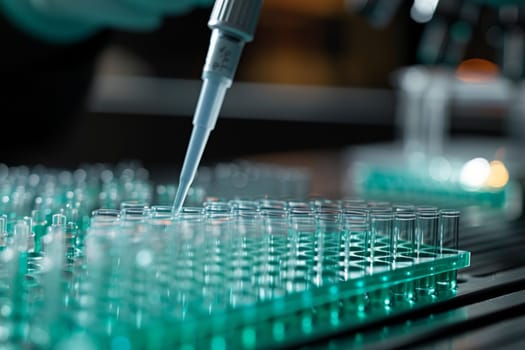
x: 381, y: 216
x: 133, y: 203
x: 106, y: 212
x: 404, y: 216
x: 449, y: 213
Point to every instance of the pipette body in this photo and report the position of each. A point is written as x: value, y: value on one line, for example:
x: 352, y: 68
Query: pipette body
x: 233, y: 24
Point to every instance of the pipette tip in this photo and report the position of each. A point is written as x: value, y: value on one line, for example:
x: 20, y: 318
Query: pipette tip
x: 180, y: 196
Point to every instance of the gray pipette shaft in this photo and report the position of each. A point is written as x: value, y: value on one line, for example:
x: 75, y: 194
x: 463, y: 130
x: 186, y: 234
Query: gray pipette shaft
x: 233, y: 23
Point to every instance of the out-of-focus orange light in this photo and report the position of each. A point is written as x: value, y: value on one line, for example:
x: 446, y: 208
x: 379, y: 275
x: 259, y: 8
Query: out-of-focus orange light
x: 477, y: 70
x: 499, y: 175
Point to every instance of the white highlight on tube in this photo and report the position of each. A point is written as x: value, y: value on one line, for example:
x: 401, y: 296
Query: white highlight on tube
x: 423, y: 10
x: 475, y: 173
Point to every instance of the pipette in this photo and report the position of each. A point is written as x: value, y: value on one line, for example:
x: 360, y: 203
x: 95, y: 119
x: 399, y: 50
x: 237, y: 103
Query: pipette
x: 233, y: 24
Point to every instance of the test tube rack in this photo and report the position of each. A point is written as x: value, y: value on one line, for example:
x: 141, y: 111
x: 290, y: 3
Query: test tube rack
x: 139, y: 278
x: 322, y: 311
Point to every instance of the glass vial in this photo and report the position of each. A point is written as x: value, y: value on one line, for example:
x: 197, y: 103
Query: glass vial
x: 448, y: 239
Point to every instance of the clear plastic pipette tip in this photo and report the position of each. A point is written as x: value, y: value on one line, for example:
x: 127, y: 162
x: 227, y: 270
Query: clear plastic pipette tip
x: 206, y: 114
x: 199, y: 138
x: 208, y: 103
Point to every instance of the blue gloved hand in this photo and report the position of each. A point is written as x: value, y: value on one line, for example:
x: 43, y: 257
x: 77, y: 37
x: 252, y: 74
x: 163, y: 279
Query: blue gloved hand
x: 63, y: 21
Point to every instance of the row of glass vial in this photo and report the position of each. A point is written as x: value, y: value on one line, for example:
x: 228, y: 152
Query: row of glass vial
x: 92, y: 186
x: 25, y: 189
x: 401, y: 224
x: 142, y: 265
x: 403, y: 228
x: 302, y: 247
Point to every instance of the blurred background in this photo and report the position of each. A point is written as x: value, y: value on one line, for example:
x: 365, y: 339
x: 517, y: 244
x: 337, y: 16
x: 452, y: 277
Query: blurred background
x: 365, y: 94
x: 414, y: 101
x: 302, y: 49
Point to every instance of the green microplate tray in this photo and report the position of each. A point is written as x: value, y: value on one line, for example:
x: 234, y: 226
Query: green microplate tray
x: 382, y: 182
x: 317, y: 312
